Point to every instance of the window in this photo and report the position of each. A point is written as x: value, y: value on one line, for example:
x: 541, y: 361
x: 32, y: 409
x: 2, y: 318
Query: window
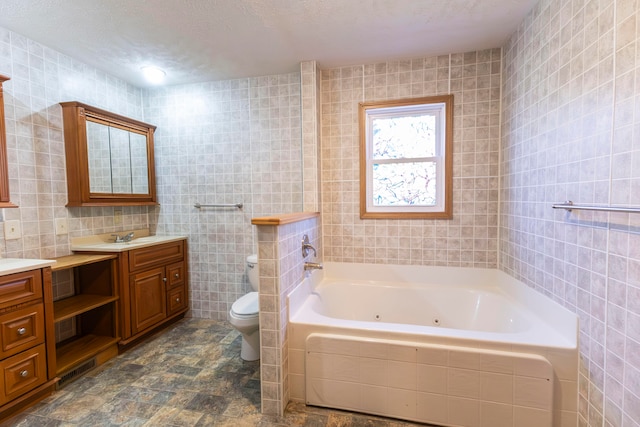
x: 406, y: 160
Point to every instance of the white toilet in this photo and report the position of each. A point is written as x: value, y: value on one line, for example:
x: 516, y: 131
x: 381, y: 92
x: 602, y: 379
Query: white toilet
x: 244, y: 314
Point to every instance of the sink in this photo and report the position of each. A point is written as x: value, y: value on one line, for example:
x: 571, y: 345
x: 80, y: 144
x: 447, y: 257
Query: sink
x: 100, y: 244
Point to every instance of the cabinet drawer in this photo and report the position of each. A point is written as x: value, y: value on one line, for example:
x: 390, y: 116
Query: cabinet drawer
x: 175, y: 274
x: 21, y: 329
x: 150, y: 256
x: 19, y: 288
x: 23, y: 372
x: 176, y: 300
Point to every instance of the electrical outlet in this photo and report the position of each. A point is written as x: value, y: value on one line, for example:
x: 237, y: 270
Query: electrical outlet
x: 12, y: 230
x: 117, y: 217
x: 62, y: 226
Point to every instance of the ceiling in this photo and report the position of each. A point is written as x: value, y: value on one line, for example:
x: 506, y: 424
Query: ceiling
x: 208, y: 40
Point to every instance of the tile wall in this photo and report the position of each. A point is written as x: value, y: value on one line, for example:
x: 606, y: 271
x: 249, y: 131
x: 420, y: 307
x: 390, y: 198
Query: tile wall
x: 40, y: 79
x: 310, y: 98
x: 281, y: 270
x: 220, y: 142
x: 570, y: 131
x: 225, y: 142
x: 470, y: 238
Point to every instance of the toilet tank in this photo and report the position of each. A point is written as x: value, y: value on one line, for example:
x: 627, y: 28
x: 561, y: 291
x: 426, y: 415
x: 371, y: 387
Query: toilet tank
x: 252, y: 271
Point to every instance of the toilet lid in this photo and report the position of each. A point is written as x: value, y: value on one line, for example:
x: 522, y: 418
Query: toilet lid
x: 246, y: 305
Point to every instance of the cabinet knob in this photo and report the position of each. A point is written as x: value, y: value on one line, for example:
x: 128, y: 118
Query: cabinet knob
x: 176, y: 275
x: 177, y: 299
x: 22, y: 331
x: 164, y: 279
x: 24, y: 373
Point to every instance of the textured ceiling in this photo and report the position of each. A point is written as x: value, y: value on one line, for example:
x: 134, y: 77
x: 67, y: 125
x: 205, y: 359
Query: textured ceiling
x: 205, y: 40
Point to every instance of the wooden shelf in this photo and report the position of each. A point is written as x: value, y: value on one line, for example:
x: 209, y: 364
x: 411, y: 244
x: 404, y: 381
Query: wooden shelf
x: 84, y: 348
x: 78, y: 304
x: 77, y: 260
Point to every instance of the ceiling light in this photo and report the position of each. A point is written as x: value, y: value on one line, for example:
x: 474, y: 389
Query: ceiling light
x: 153, y: 75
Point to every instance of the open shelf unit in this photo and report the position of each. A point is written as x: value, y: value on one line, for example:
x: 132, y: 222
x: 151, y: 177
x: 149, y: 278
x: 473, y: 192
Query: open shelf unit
x: 93, y: 308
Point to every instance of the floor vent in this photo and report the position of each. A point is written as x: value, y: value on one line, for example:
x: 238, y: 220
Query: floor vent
x: 77, y: 372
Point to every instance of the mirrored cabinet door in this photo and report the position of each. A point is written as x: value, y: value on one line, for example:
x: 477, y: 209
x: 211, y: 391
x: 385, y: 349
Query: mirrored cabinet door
x: 4, y: 167
x: 109, y: 158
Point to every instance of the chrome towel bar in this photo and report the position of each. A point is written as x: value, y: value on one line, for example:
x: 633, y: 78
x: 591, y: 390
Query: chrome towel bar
x: 234, y: 205
x: 568, y: 205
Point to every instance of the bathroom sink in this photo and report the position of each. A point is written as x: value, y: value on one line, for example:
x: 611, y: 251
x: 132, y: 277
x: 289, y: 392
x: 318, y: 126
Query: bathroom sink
x: 101, y: 244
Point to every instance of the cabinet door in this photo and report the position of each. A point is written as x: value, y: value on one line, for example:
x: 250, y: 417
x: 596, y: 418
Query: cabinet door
x: 148, y: 299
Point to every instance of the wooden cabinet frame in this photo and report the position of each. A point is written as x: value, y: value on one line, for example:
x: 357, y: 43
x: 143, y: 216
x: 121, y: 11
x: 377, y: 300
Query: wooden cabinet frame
x: 4, y: 167
x: 75, y: 116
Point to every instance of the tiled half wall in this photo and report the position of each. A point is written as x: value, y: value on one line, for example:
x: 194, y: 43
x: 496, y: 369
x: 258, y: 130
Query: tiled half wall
x: 281, y: 269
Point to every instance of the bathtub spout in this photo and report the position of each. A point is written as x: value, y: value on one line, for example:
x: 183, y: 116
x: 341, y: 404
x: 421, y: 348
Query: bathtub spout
x: 312, y: 266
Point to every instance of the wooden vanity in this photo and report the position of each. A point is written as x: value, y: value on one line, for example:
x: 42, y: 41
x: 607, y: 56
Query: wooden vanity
x: 120, y: 294
x: 152, y: 280
x: 27, y: 337
x: 156, y: 294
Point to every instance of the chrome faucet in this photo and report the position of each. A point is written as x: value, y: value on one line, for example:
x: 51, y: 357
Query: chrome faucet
x: 123, y: 239
x: 306, y: 246
x: 312, y: 266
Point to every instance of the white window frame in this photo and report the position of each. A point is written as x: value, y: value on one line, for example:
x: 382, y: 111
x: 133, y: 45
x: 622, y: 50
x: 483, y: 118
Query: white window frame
x: 442, y: 108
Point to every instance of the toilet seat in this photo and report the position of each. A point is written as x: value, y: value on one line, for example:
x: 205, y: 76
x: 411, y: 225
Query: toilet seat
x: 246, y: 306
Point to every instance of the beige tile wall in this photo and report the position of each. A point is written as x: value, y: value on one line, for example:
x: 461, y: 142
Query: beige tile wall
x: 281, y: 270
x: 470, y: 238
x: 225, y: 142
x: 310, y: 98
x: 570, y: 132
x: 217, y: 142
x: 40, y: 79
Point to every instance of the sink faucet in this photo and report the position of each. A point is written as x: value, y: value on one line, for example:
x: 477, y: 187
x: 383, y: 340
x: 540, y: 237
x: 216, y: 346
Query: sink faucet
x: 123, y: 239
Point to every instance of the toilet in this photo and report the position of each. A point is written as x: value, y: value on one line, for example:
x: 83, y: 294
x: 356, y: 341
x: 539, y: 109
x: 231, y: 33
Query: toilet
x: 244, y: 314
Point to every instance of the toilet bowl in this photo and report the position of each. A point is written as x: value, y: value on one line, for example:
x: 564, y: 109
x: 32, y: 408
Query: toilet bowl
x: 244, y: 314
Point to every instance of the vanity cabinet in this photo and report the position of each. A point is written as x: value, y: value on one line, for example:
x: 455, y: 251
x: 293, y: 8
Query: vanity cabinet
x: 157, y: 288
x: 27, y: 343
x: 109, y: 158
x: 91, y: 313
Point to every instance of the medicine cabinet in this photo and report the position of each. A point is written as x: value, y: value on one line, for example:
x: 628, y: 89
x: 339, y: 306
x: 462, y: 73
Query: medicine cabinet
x: 4, y: 167
x: 109, y: 158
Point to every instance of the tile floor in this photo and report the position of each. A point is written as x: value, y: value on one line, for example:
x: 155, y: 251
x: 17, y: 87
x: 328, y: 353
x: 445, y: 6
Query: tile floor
x: 189, y: 375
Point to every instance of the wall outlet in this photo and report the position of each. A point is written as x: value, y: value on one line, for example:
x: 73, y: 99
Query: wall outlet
x: 117, y: 217
x: 62, y: 226
x: 12, y: 230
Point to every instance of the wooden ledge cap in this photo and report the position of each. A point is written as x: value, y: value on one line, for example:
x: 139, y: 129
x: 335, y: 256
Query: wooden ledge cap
x: 284, y: 218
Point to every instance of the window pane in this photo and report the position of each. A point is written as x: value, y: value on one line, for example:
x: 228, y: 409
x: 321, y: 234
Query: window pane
x: 404, y: 184
x: 404, y: 137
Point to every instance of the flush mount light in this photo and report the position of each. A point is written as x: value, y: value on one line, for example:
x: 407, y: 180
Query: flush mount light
x: 153, y: 74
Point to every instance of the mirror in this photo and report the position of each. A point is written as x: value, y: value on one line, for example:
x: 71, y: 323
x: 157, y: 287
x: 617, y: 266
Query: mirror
x: 4, y: 167
x: 109, y: 158
x: 117, y: 160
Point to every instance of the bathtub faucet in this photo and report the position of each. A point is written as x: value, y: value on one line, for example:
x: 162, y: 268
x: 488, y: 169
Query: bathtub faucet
x: 306, y: 246
x: 312, y: 266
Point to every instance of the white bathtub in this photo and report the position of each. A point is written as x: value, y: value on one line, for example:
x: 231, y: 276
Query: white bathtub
x: 449, y: 346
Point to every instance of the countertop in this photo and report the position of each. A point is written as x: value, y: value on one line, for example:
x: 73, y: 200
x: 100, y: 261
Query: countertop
x: 97, y: 245
x: 18, y: 265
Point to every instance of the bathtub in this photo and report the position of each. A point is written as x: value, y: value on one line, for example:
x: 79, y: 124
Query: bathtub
x: 447, y: 346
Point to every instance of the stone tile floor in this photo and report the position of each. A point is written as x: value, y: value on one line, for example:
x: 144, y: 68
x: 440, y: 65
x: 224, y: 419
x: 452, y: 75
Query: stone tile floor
x: 191, y: 374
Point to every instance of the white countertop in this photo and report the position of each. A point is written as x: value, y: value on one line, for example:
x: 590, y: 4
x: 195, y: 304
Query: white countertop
x: 97, y: 245
x: 18, y: 265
